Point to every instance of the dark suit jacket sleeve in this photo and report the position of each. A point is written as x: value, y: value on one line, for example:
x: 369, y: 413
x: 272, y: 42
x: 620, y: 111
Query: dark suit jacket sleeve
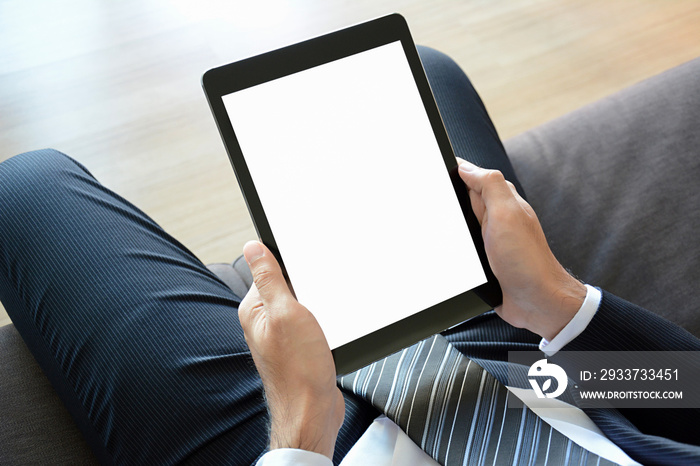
x: 650, y: 436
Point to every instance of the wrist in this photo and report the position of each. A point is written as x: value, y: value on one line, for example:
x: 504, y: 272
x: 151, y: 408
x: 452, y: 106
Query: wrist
x: 565, y: 297
x: 308, y: 423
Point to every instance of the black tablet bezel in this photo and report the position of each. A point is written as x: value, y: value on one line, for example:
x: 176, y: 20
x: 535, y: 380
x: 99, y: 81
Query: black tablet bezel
x: 233, y: 77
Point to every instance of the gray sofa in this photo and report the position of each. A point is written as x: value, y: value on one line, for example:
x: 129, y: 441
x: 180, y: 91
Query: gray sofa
x: 615, y: 185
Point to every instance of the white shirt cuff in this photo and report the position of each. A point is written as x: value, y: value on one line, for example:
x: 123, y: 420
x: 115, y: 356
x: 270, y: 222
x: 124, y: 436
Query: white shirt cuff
x: 576, y: 325
x: 293, y: 457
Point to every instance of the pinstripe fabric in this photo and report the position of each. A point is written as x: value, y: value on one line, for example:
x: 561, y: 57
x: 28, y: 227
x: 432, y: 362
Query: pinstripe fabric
x: 458, y: 413
x: 650, y: 436
x: 141, y: 342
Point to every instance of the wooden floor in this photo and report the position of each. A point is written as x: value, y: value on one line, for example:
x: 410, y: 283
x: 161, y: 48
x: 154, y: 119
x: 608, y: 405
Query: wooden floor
x: 117, y: 84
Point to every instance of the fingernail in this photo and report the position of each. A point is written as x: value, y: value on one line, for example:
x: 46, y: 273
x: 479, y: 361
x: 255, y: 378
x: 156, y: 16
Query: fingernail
x: 467, y: 166
x: 253, y: 251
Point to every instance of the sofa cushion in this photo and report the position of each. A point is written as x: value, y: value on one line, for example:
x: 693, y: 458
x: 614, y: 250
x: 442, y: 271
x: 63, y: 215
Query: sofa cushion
x: 35, y: 427
x: 231, y: 277
x: 615, y: 185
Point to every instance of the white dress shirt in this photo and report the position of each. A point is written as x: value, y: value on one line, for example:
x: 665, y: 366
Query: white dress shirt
x: 388, y: 445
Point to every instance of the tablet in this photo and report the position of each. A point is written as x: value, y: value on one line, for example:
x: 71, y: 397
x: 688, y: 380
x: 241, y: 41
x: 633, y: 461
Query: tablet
x: 350, y: 179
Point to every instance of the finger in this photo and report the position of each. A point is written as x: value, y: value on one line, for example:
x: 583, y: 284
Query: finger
x: 499, y: 310
x: 523, y: 203
x: 461, y: 161
x: 250, y: 307
x: 477, y: 203
x: 478, y: 206
x: 267, y: 274
x: 490, y: 184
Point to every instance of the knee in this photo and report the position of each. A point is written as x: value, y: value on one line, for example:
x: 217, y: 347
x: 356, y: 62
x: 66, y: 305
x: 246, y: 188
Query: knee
x: 440, y: 66
x: 34, y: 172
x: 429, y: 54
x: 434, y: 58
x: 34, y: 180
x: 42, y: 161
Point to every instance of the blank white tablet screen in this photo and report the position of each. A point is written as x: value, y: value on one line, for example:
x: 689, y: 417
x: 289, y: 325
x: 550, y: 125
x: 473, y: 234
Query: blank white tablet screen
x: 356, y: 193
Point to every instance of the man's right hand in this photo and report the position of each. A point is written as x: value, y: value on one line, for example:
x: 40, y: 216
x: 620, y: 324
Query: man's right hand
x: 293, y: 359
x: 538, y: 293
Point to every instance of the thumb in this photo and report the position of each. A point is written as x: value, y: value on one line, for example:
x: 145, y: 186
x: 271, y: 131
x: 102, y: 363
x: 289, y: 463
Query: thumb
x: 267, y: 274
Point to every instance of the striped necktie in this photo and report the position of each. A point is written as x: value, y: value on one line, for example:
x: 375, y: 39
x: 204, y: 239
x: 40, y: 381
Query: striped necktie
x: 458, y: 413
